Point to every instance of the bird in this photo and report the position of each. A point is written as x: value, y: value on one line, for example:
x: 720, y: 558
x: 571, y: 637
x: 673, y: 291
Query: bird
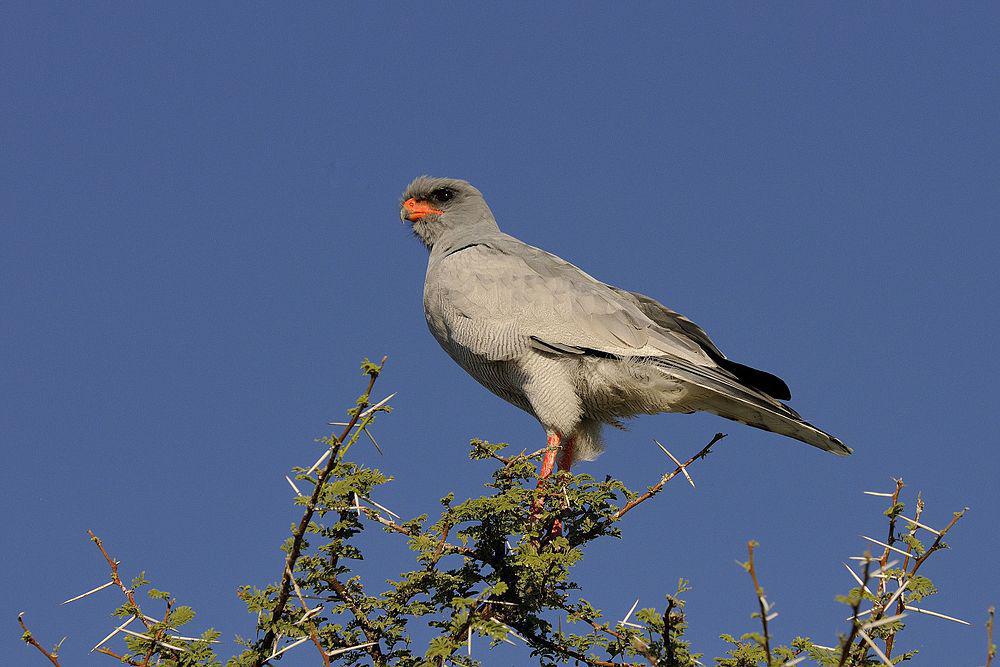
x: 574, y: 352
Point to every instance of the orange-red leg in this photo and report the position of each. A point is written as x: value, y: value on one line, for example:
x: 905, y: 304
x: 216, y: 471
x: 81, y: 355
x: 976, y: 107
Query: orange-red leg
x: 566, y: 453
x: 554, y: 450
x: 548, y: 464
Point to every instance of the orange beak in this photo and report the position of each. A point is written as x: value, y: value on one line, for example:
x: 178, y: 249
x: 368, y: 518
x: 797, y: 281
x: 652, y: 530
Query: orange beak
x: 413, y: 210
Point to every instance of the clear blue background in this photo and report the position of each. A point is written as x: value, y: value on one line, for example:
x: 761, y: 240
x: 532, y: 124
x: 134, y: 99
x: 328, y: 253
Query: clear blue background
x: 201, y: 240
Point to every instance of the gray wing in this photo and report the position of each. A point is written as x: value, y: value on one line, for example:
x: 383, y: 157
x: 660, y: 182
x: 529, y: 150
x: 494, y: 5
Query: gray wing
x: 671, y: 320
x: 508, y: 286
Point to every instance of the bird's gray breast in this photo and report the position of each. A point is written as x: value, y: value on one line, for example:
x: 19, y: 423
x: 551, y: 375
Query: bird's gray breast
x: 469, y: 313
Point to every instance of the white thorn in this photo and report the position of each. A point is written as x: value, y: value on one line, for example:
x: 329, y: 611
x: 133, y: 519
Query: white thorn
x: 288, y: 648
x: 368, y: 411
x: 470, y: 640
x: 90, y: 592
x: 112, y: 634
x: 295, y: 585
x: 357, y: 505
x: 319, y: 462
x: 934, y: 613
x: 678, y: 463
x: 857, y: 579
x: 193, y: 639
x: 919, y: 525
x: 636, y: 604
x: 825, y: 648
x: 292, y: 484
x: 879, y: 572
x: 349, y: 648
x: 860, y: 614
x: 156, y: 641
x: 876, y: 493
x: 771, y: 617
x: 309, y: 614
x: 381, y: 507
x: 374, y: 442
x: 883, y: 544
x: 792, y: 663
x: 896, y: 595
x: 883, y: 621
x: 878, y: 651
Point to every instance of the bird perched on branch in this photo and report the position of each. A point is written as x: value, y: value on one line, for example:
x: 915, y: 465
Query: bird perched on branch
x: 568, y: 349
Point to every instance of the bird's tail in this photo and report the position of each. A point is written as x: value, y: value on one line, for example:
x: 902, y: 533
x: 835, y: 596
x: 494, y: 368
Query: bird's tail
x: 724, y: 395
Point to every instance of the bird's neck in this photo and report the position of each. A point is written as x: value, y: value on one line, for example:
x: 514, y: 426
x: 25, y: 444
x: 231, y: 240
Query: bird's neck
x: 455, y: 239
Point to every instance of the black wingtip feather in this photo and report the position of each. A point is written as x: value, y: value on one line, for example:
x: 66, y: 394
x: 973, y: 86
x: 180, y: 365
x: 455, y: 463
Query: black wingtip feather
x: 772, y: 385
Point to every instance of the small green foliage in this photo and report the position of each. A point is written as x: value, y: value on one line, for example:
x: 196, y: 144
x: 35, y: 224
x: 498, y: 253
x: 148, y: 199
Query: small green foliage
x: 158, y: 595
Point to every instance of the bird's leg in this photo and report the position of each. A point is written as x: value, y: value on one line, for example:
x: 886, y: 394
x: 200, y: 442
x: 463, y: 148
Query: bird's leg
x: 565, y: 460
x: 549, y: 461
x: 566, y: 454
x: 548, y: 465
x: 555, y: 449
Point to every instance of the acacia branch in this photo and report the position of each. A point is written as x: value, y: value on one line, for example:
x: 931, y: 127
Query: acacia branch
x: 938, y: 544
x: 30, y: 639
x: 638, y: 644
x: 855, y: 608
x: 668, y: 625
x: 125, y: 660
x: 545, y: 642
x: 298, y: 535
x: 991, y: 648
x: 656, y: 488
x: 113, y: 565
x: 760, y: 600
x: 158, y: 636
x: 443, y: 545
x: 370, y: 635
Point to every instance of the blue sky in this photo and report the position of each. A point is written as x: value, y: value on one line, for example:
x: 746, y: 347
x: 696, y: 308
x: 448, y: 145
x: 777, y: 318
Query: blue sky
x: 200, y: 241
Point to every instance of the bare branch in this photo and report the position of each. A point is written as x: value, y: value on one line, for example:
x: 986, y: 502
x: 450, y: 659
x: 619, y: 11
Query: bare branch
x: 30, y: 639
x: 653, y: 490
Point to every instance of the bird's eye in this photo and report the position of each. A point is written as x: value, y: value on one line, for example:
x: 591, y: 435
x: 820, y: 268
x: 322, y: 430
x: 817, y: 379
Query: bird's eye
x: 443, y: 195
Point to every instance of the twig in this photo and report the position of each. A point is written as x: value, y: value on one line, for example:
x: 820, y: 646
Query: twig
x: 113, y: 565
x: 539, y: 640
x: 653, y: 490
x: 991, y: 648
x: 937, y: 544
x: 158, y: 639
x: 765, y: 608
x: 676, y: 462
x: 30, y: 639
x: 444, y: 546
x: 600, y: 627
x: 668, y: 625
x: 310, y: 627
x: 855, y: 624
x: 373, y: 648
x: 125, y: 660
x: 298, y: 535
